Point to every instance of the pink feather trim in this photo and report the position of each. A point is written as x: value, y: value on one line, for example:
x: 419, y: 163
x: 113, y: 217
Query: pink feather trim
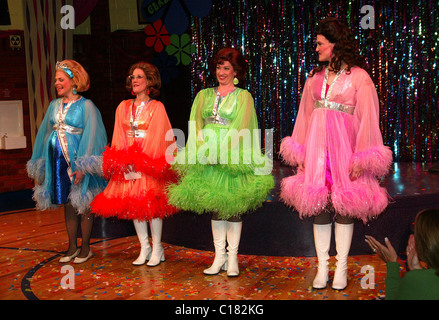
x: 307, y: 199
x: 376, y: 160
x: 292, y: 152
x: 361, y: 201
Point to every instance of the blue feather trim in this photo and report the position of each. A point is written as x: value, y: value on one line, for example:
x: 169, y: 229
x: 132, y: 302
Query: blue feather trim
x: 42, y: 198
x: 36, y: 169
x: 81, y: 202
x: 89, y: 164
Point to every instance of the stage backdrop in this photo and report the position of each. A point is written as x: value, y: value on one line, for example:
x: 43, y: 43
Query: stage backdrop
x: 399, y: 39
x: 45, y: 43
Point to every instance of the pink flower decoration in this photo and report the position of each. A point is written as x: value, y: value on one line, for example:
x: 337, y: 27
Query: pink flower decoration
x: 157, y: 36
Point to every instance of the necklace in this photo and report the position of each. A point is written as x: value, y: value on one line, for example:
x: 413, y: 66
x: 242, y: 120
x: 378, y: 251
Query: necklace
x: 323, y: 94
x: 63, y: 108
x: 134, y: 117
x: 216, y: 109
x: 71, y: 101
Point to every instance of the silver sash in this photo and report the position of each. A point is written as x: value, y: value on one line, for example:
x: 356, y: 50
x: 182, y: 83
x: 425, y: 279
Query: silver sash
x: 217, y: 120
x: 334, y: 106
x: 63, y: 127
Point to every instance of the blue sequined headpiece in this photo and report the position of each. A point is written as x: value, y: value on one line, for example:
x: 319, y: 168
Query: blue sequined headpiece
x: 65, y: 68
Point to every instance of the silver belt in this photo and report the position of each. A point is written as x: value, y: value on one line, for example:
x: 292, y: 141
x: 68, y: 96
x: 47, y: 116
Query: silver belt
x: 66, y: 128
x: 136, y: 133
x: 218, y: 120
x: 334, y: 106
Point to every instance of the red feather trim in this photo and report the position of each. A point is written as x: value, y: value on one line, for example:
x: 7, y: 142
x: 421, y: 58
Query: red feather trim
x: 115, y: 163
x: 149, y: 205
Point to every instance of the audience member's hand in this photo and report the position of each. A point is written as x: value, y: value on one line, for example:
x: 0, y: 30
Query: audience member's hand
x: 386, y: 252
x: 412, y: 256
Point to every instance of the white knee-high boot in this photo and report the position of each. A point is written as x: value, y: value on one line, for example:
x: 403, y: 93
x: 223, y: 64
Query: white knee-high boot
x: 145, y: 249
x: 322, y: 242
x: 158, y: 252
x: 343, y: 240
x: 233, y: 239
x: 219, y: 233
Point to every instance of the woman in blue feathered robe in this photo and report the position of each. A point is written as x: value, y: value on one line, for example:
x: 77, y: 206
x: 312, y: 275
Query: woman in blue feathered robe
x: 67, y: 157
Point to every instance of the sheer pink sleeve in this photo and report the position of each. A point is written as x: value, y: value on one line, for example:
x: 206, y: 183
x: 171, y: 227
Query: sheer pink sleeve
x: 370, y: 154
x: 292, y: 148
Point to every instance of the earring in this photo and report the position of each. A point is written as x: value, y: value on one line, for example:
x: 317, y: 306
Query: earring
x: 235, y: 81
x: 74, y: 90
x: 147, y: 92
x: 132, y: 92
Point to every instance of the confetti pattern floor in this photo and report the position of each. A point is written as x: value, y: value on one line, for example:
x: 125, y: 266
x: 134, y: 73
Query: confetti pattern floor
x: 31, y: 243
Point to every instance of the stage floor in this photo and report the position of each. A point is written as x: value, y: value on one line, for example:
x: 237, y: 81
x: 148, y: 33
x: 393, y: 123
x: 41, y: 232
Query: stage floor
x: 277, y: 257
x: 31, y: 243
x: 276, y: 230
x: 405, y: 179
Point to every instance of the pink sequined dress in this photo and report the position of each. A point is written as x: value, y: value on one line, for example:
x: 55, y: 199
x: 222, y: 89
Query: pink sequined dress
x: 337, y: 128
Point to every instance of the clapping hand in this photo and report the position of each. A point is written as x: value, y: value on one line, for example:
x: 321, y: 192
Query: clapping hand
x: 386, y: 252
x: 412, y: 256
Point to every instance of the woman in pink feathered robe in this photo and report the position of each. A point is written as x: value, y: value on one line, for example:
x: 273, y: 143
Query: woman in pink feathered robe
x: 338, y: 147
x: 328, y: 143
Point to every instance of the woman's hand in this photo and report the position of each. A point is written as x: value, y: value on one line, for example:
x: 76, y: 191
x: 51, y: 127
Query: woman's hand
x: 386, y: 252
x: 129, y: 168
x: 355, y: 173
x: 412, y: 256
x: 78, y: 176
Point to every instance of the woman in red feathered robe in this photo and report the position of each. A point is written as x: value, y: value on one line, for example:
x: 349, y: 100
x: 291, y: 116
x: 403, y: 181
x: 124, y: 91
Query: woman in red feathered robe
x: 137, y: 164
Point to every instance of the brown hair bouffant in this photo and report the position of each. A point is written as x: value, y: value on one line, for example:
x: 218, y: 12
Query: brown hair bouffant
x: 235, y: 58
x: 81, y: 80
x: 152, y: 76
x: 345, y: 46
x: 427, y: 237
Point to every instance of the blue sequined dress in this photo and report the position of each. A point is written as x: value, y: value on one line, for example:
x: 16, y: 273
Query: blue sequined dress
x: 71, y: 137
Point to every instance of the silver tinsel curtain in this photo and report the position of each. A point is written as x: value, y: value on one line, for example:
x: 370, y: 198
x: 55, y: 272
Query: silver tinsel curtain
x: 278, y: 40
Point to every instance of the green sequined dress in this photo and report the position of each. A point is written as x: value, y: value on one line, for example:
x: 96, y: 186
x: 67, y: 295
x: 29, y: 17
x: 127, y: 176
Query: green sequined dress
x: 222, y: 168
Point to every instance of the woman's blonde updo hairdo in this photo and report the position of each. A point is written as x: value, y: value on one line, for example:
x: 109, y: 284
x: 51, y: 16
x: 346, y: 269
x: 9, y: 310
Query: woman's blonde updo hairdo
x: 81, y: 80
x: 152, y: 75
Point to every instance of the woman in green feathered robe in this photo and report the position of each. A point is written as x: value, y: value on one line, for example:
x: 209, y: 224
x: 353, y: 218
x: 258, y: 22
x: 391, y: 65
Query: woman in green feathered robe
x: 222, y: 169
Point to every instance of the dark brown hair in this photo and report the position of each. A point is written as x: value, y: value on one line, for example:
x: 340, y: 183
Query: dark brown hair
x: 235, y: 58
x: 345, y: 46
x: 152, y: 76
x: 427, y: 237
